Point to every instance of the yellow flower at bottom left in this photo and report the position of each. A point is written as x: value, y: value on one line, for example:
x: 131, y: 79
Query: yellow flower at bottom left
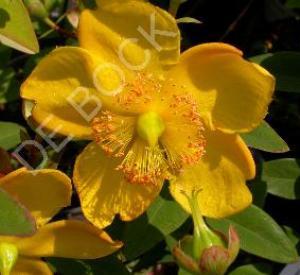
x: 44, y: 193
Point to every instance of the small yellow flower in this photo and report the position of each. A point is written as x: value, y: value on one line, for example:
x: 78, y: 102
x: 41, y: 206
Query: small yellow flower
x: 161, y: 113
x: 44, y: 193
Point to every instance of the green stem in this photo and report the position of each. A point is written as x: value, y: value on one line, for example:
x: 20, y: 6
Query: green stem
x: 204, y: 237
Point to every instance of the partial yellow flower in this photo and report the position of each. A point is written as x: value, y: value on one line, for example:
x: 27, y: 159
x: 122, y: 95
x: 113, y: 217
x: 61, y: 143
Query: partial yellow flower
x: 44, y: 193
x: 177, y: 115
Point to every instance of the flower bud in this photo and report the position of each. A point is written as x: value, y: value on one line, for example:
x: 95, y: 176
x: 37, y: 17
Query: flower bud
x: 214, y: 259
x: 206, y: 252
x: 36, y: 9
x: 8, y: 257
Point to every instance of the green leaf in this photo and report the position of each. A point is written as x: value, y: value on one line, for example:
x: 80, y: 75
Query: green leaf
x: 293, y: 4
x: 8, y: 86
x: 16, y: 30
x: 285, y: 66
x: 252, y: 269
x: 283, y: 178
x: 174, y: 6
x: 5, y: 55
x: 266, y: 139
x: 293, y: 235
x: 10, y: 135
x: 188, y: 20
x: 105, y: 266
x: 258, y: 189
x: 260, y: 235
x: 14, y: 218
x: 162, y: 218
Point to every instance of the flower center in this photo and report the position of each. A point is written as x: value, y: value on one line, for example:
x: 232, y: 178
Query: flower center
x: 150, y: 127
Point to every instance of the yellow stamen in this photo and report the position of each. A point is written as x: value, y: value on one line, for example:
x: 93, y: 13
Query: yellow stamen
x: 113, y: 132
x: 144, y: 164
x: 184, y: 141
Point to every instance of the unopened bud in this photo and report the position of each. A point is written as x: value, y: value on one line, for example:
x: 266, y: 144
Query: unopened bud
x: 36, y: 9
x: 214, y: 260
x: 207, y: 252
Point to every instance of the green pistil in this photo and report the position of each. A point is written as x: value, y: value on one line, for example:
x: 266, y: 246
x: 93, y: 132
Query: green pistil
x: 150, y: 127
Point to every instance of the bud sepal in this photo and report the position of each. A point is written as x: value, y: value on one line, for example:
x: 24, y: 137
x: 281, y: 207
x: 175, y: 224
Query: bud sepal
x: 214, y: 259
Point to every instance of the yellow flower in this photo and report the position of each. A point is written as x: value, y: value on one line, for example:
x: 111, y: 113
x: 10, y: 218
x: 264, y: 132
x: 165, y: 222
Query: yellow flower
x: 44, y: 193
x: 162, y: 114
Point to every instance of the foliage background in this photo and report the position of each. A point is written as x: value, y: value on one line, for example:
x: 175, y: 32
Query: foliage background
x: 255, y: 26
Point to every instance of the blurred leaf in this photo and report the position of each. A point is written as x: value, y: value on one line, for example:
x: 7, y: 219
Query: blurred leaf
x: 183, y: 272
x: 259, y: 191
x: 16, y: 30
x: 5, y: 54
x: 275, y: 11
x: 188, y: 20
x: 293, y: 4
x: 174, y: 6
x: 285, y: 66
x: 8, y: 86
x: 5, y: 162
x: 105, y: 266
x: 153, y: 256
x: 292, y: 234
x: 10, y: 135
x: 89, y: 4
x: 33, y: 60
x: 266, y: 139
x: 162, y: 218
x: 260, y: 235
x: 14, y: 218
x: 283, y: 178
x: 252, y: 269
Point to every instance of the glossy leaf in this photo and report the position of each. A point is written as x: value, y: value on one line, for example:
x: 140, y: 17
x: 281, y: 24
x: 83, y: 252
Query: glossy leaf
x: 252, y: 269
x: 105, y: 266
x: 10, y: 135
x: 285, y: 66
x: 162, y: 218
x: 292, y: 234
x: 14, y: 218
x: 8, y: 86
x: 16, y: 30
x: 260, y: 235
x: 283, y: 178
x: 266, y: 139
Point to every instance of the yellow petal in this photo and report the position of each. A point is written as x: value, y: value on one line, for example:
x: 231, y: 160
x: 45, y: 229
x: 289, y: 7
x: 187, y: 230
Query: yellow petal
x: 220, y: 175
x: 64, y: 76
x: 42, y: 192
x: 104, y: 193
x: 124, y: 27
x: 27, y: 266
x: 68, y: 239
x: 233, y: 93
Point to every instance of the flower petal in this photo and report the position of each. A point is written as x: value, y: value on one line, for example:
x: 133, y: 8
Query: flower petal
x: 103, y: 191
x: 26, y: 266
x: 220, y: 176
x: 233, y: 93
x: 68, y: 239
x: 134, y: 29
x: 43, y: 192
x: 64, y: 76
